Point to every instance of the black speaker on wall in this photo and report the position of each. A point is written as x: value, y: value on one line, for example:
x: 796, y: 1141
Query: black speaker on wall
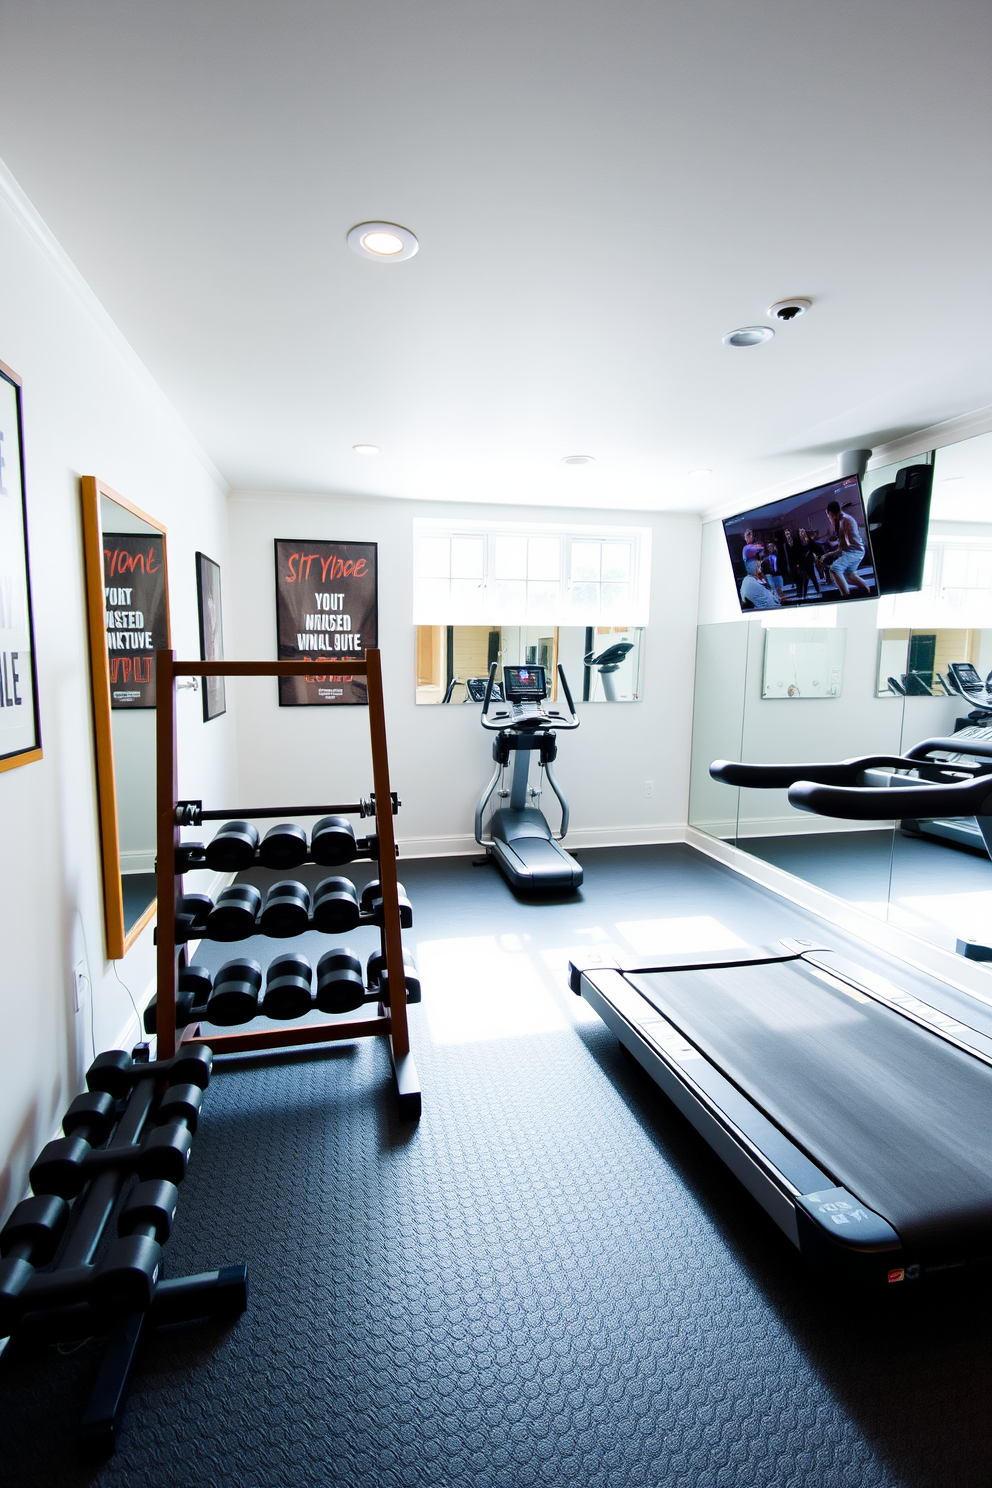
x: 898, y: 520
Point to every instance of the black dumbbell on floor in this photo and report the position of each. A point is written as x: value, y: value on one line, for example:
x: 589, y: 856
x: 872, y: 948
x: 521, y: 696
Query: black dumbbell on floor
x: 28, y: 1240
x: 288, y: 991
x: 115, y: 1072
x: 340, y: 988
x: 234, y: 998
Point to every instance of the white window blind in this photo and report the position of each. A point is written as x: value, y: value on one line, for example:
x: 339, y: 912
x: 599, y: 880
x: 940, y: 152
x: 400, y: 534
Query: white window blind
x: 524, y: 574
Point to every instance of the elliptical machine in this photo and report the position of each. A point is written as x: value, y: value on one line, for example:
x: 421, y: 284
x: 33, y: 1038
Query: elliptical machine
x: 520, y: 841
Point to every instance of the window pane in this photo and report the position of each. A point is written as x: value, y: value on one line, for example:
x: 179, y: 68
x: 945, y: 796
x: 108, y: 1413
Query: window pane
x: 466, y: 600
x: 511, y: 557
x: 585, y: 560
x: 432, y: 602
x: 980, y: 569
x: 511, y: 600
x: 616, y: 562
x: 955, y: 568
x: 468, y: 557
x: 434, y: 557
x: 615, y: 600
x: 542, y: 600
x: 543, y: 558
x: 585, y: 597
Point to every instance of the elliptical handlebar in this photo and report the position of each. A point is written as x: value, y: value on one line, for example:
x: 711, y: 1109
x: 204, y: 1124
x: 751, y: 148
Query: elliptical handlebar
x: 874, y: 803
x: 505, y: 720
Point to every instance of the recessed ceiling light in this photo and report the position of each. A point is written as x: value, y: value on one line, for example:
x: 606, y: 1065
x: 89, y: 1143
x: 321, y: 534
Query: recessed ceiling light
x: 578, y: 460
x: 786, y: 310
x: 365, y: 449
x: 386, y: 242
x: 701, y: 474
x: 749, y: 336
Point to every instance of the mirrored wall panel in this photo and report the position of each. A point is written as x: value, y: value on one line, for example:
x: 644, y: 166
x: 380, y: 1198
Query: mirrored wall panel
x: 603, y: 663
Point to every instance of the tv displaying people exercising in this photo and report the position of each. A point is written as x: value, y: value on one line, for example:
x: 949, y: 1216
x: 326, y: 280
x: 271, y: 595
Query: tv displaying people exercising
x: 808, y: 549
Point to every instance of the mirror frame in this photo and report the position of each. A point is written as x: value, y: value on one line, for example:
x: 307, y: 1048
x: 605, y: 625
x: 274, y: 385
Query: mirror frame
x: 119, y: 940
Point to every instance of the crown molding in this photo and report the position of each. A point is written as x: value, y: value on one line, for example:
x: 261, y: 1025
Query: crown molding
x: 35, y: 228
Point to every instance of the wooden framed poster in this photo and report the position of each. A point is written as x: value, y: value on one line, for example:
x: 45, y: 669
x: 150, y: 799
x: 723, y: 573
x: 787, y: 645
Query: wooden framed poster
x: 211, y: 633
x: 327, y: 605
x: 136, y: 592
x: 20, y: 724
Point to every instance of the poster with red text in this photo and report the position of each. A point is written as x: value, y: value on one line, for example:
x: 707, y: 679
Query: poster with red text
x: 137, y: 614
x: 326, y: 609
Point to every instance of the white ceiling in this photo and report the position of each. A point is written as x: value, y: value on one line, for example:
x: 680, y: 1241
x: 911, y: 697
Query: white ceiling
x: 601, y: 190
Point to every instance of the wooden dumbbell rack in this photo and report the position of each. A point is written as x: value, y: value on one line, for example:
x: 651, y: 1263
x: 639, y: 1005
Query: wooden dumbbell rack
x: 391, y: 1021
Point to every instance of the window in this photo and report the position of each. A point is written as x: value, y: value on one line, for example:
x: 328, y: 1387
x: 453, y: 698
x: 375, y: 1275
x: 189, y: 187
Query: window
x: 517, y: 575
x: 956, y: 592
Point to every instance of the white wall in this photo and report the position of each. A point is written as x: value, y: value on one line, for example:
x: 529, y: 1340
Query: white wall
x: 89, y: 408
x: 440, y: 758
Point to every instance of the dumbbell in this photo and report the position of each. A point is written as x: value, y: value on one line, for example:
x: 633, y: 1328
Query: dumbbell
x: 192, y: 914
x: 114, y: 1072
x: 233, y: 916
x: 332, y: 841
x: 233, y: 848
x: 371, y: 903
x: 339, y: 982
x: 28, y: 1240
x: 125, y: 1281
x: 284, y: 846
x: 335, y: 906
x: 190, y: 855
x: 58, y: 1168
x: 234, y: 998
x: 287, y: 987
x: 287, y: 909
x: 377, y: 976
x: 192, y: 990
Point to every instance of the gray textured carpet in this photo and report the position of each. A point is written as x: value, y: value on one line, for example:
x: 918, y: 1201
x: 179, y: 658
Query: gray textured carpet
x: 550, y: 1281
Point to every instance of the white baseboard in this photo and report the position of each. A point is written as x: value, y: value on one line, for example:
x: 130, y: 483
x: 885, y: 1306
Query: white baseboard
x: 582, y: 837
x: 967, y: 976
x: 803, y: 826
x: 138, y: 861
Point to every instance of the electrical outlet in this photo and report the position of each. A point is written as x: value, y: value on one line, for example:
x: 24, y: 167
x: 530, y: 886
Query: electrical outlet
x: 649, y: 787
x: 80, y: 982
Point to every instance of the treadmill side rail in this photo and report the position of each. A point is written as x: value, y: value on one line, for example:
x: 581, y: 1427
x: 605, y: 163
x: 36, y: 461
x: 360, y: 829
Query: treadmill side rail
x: 840, y: 1235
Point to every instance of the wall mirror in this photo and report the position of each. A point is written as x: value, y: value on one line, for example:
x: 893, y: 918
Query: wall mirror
x: 127, y: 601
x: 603, y: 663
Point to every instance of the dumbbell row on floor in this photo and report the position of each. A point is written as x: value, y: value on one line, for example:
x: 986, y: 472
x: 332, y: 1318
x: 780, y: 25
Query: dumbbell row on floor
x: 288, y: 910
x: 237, y: 846
x: 234, y: 995
x: 122, y: 1124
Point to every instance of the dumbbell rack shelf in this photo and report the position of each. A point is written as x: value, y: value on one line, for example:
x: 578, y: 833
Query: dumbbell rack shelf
x: 391, y: 1021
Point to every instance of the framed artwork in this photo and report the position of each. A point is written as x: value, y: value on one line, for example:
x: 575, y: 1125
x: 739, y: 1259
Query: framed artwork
x: 327, y: 606
x: 211, y: 633
x: 137, y: 597
x: 20, y: 723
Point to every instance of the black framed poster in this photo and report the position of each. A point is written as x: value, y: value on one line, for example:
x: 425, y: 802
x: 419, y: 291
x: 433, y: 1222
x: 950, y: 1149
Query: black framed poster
x: 211, y: 633
x: 137, y: 614
x: 20, y: 725
x: 326, y: 607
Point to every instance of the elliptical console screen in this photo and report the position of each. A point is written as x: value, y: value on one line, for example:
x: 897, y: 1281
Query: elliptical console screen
x: 966, y: 674
x: 524, y: 684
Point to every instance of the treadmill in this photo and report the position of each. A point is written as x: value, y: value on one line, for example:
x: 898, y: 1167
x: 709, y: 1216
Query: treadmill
x: 520, y: 841
x: 858, y: 1114
x: 962, y: 681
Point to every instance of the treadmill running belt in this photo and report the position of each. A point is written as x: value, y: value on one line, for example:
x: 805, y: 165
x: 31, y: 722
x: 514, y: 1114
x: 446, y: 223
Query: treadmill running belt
x: 900, y: 1117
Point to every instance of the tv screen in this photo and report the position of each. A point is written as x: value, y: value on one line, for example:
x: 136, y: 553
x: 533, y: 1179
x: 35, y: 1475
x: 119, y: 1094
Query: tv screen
x: 808, y: 549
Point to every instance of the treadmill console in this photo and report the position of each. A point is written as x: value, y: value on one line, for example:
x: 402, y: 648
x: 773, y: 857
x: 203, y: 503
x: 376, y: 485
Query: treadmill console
x: 966, y: 675
x: 525, y: 684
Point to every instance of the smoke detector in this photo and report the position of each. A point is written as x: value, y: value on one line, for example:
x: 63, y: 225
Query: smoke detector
x: 786, y: 310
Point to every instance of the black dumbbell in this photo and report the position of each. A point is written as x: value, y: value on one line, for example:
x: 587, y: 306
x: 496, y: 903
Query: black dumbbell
x: 150, y: 1210
x: 192, y: 990
x: 335, y: 906
x: 124, y: 1282
x: 115, y: 1071
x: 233, y: 848
x: 29, y: 1239
x: 234, y: 998
x: 233, y: 916
x: 371, y: 903
x: 195, y: 908
x: 340, y: 988
x: 332, y: 841
x: 287, y: 909
x: 190, y: 855
x: 284, y: 846
x: 287, y: 987
x: 180, y: 1103
x: 58, y: 1168
x: 165, y: 1148
x: 377, y: 976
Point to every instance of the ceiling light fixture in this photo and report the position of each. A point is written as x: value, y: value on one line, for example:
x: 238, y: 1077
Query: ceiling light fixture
x: 748, y: 336
x: 786, y: 310
x: 578, y: 460
x: 385, y: 242
x: 701, y: 474
x: 365, y: 449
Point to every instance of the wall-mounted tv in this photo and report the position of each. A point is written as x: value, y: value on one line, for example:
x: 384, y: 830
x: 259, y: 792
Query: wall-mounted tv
x: 808, y: 549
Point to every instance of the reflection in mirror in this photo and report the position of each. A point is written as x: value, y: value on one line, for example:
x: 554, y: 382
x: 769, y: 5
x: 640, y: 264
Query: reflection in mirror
x: 127, y: 602
x: 603, y: 663
x: 801, y: 663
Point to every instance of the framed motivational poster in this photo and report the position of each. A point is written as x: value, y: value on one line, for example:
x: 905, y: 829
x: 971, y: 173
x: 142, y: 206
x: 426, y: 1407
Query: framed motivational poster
x: 137, y: 600
x: 211, y: 633
x: 20, y: 726
x: 326, y: 609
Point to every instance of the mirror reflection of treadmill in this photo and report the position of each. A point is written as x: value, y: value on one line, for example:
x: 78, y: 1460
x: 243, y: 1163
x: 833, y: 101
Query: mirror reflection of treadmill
x: 963, y: 681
